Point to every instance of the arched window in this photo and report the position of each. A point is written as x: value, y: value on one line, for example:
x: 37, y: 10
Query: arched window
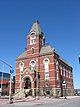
x: 46, y: 68
x: 32, y: 49
x: 32, y: 65
x: 21, y: 66
x: 32, y: 38
x: 46, y: 64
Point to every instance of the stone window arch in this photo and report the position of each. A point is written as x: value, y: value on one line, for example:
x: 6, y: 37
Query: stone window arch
x: 32, y: 38
x: 21, y: 66
x: 46, y: 64
x: 32, y: 65
x: 46, y: 68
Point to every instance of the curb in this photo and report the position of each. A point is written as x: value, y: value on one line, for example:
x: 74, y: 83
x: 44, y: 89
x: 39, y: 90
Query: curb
x: 24, y: 100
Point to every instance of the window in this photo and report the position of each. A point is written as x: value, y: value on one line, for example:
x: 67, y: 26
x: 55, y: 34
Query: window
x: 32, y: 65
x: 64, y: 71
x: 57, y: 69
x: 46, y: 68
x: 61, y: 69
x: 57, y: 76
x: 69, y: 74
x: 32, y: 38
x: 32, y: 49
x: 46, y: 65
x: 21, y: 66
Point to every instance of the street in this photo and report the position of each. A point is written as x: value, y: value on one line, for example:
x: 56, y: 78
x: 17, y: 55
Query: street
x: 46, y: 102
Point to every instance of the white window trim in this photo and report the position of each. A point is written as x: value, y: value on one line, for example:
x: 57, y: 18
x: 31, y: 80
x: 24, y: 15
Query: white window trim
x: 32, y: 33
x: 32, y: 66
x: 34, y: 61
x: 21, y: 66
x: 46, y: 70
x: 32, y: 48
x: 46, y: 59
x: 57, y: 76
x: 32, y: 38
x: 61, y: 69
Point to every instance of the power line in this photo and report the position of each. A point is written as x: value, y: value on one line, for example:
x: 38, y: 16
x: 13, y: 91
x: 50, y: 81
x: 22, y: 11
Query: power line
x: 6, y: 63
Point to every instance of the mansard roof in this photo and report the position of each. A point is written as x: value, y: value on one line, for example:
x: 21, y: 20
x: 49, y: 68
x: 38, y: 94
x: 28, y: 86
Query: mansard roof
x: 36, y: 28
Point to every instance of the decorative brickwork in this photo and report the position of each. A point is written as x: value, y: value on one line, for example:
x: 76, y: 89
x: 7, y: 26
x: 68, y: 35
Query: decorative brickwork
x: 40, y: 69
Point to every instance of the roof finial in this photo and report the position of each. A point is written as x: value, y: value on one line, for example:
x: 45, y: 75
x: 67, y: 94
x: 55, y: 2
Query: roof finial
x: 36, y: 21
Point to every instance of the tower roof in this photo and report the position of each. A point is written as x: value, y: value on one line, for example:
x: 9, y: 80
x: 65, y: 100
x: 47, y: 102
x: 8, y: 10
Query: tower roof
x: 36, y: 28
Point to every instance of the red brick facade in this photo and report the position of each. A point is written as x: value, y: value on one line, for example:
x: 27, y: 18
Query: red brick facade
x: 41, y: 68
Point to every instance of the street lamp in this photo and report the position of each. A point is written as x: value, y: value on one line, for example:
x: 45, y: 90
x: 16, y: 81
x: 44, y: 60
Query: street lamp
x: 10, y: 92
x: 64, y: 85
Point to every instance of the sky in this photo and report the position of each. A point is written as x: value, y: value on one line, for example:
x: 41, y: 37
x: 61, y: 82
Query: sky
x: 59, y: 20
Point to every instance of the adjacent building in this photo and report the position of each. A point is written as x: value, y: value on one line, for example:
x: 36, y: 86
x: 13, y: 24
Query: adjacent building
x: 4, y: 84
x: 4, y: 81
x: 40, y: 70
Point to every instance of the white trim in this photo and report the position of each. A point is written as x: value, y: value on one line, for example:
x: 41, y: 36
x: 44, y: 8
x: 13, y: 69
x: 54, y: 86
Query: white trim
x: 28, y: 77
x: 21, y: 66
x: 33, y: 44
x: 49, y: 64
x: 46, y: 59
x: 32, y: 40
x: 32, y: 54
x: 32, y: 33
x: 34, y: 62
x: 31, y: 48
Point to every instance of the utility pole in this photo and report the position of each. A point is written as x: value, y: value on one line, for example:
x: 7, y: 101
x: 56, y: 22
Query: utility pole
x: 2, y: 79
x: 11, y: 71
x: 37, y: 79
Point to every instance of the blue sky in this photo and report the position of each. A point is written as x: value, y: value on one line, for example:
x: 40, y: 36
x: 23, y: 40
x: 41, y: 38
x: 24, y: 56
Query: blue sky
x: 59, y: 20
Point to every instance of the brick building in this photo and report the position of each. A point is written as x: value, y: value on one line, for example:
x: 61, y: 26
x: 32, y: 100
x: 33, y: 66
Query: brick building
x: 4, y: 84
x: 40, y: 69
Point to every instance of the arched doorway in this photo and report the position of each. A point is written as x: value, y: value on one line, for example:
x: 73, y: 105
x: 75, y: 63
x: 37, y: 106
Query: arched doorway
x: 27, y: 86
x: 27, y: 83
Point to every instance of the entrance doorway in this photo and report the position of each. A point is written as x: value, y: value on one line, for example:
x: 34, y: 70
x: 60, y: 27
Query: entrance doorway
x: 27, y: 83
x: 27, y: 86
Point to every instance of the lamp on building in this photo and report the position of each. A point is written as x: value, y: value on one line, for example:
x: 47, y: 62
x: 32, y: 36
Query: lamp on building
x: 64, y: 85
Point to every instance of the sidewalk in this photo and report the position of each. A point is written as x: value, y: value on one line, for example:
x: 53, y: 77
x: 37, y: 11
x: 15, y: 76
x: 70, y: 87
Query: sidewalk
x: 34, y: 101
